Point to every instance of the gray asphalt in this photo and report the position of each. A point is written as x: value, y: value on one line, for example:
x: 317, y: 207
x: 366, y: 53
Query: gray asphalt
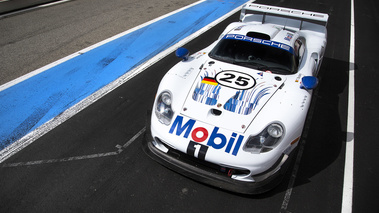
x: 36, y: 38
x: 7, y: 6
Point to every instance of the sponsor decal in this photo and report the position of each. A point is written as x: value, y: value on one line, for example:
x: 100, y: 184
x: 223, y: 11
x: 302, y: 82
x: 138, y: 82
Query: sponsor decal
x: 288, y: 37
x: 201, y: 138
x: 260, y: 41
x: 200, y: 54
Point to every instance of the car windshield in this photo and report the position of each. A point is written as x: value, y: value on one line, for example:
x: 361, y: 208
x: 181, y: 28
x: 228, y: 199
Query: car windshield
x: 257, y: 55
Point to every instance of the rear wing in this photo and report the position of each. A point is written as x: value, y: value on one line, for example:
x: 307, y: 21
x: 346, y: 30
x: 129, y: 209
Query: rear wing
x: 280, y: 15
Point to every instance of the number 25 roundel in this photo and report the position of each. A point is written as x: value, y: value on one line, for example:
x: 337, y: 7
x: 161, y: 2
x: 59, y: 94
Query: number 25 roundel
x: 235, y: 80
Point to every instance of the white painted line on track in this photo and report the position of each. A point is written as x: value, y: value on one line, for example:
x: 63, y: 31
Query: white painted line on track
x: 53, y: 3
x: 83, y: 157
x: 54, y: 122
x: 347, y: 196
x: 32, y: 8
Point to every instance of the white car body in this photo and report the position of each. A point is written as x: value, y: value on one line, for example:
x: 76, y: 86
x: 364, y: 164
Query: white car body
x: 207, y: 107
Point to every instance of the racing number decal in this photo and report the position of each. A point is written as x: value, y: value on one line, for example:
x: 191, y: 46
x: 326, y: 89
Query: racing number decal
x: 235, y: 80
x: 197, y: 150
x: 240, y: 81
x: 229, y: 78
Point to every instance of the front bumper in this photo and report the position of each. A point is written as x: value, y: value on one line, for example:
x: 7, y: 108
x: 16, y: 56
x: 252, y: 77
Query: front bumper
x: 209, y: 173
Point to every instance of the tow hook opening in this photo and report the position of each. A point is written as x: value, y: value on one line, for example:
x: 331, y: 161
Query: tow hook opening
x: 230, y: 172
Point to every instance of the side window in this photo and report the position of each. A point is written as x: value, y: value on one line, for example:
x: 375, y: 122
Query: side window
x: 299, y: 49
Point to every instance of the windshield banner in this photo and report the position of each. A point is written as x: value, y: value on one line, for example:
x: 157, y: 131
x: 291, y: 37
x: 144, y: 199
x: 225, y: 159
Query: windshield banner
x: 260, y: 41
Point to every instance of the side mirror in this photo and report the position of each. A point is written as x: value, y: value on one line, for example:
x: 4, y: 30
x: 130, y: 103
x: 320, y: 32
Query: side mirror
x: 309, y: 82
x: 182, y: 53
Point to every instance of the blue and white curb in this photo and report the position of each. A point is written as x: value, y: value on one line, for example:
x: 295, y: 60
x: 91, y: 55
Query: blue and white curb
x: 38, y: 102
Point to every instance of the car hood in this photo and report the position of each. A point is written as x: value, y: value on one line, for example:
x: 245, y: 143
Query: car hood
x: 229, y: 96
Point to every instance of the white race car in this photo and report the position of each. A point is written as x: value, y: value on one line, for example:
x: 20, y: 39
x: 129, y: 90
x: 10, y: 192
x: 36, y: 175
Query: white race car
x: 231, y: 114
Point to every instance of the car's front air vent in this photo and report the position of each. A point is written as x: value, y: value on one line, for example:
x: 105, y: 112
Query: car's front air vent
x: 216, y: 112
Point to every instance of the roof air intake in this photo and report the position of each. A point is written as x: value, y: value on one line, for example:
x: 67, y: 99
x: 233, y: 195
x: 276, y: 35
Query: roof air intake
x: 258, y: 35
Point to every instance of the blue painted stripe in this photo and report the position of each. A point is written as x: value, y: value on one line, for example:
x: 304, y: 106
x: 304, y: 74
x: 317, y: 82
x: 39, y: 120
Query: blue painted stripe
x: 31, y: 103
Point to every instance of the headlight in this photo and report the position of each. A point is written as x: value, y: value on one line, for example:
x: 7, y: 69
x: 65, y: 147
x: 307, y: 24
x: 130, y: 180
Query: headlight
x: 163, y: 109
x: 266, y: 140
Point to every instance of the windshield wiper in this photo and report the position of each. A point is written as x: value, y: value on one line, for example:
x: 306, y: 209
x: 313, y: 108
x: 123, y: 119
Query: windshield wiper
x: 279, y: 70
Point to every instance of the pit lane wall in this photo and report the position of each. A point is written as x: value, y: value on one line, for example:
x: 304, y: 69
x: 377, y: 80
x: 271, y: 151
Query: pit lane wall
x: 7, y: 6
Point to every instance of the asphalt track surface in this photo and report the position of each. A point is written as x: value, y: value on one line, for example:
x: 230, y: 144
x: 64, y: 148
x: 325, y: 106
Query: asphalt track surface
x: 9, y: 6
x: 93, y: 162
